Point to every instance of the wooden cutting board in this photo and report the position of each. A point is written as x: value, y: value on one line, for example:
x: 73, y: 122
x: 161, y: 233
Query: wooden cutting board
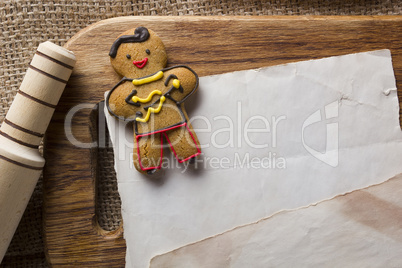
x: 209, y: 45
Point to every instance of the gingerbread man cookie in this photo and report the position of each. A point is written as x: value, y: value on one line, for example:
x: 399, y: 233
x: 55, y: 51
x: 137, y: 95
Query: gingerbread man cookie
x: 152, y: 97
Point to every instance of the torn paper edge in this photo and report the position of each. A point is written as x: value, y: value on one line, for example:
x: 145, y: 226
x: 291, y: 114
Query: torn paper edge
x: 274, y: 215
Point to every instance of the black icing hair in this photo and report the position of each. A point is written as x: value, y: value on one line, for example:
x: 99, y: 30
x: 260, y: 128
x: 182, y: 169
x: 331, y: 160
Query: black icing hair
x: 141, y: 34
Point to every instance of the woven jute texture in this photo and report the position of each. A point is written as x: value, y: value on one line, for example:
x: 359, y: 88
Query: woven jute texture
x: 25, y: 24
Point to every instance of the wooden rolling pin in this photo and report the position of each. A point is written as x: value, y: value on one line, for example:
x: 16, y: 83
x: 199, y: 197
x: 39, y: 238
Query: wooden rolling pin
x: 22, y: 131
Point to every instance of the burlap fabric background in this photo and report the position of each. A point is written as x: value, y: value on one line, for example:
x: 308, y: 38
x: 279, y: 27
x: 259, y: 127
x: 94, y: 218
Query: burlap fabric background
x: 25, y: 24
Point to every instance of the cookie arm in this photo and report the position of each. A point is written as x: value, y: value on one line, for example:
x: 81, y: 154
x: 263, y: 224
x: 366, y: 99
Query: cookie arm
x: 187, y: 79
x: 108, y: 97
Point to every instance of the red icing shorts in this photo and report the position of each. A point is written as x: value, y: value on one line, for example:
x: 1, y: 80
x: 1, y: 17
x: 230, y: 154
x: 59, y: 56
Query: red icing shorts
x: 163, y: 132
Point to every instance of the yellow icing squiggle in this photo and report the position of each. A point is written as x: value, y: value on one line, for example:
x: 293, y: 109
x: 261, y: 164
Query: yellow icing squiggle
x: 152, y: 110
x: 149, y: 79
x: 147, y: 99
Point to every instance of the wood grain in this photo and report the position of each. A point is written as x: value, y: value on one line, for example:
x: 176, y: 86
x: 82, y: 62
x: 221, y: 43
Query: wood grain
x: 209, y: 45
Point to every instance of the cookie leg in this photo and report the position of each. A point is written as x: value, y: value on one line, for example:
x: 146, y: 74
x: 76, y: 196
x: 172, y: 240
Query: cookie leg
x: 183, y: 143
x: 148, y: 153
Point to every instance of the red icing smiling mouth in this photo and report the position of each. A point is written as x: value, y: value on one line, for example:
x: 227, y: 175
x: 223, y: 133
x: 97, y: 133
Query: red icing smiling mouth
x: 141, y: 63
